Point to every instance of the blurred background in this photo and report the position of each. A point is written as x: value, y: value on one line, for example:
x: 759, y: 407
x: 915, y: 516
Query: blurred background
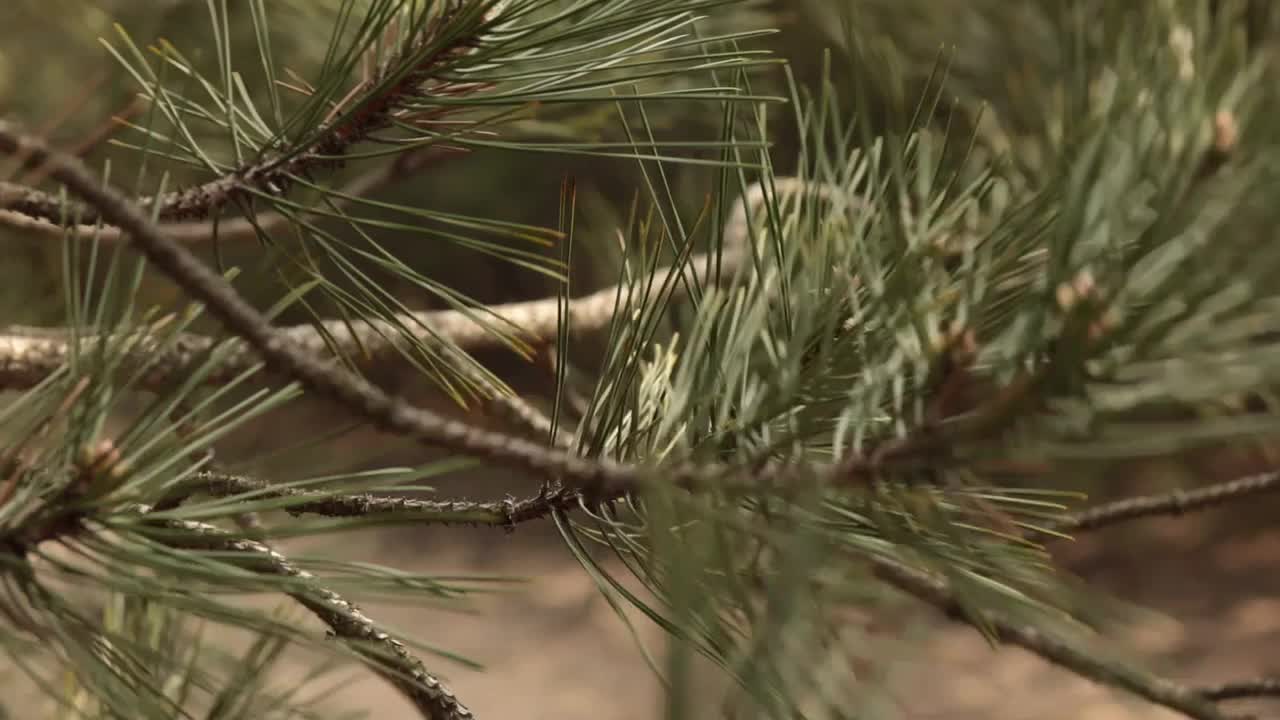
x: 551, y: 647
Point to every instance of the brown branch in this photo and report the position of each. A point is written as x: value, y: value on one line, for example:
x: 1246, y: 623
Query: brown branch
x: 393, y: 661
x: 1158, y: 690
x: 592, y: 477
x: 1177, y: 502
x: 28, y: 355
x: 505, y: 514
x: 231, y: 229
x: 1242, y: 690
x: 1192, y: 702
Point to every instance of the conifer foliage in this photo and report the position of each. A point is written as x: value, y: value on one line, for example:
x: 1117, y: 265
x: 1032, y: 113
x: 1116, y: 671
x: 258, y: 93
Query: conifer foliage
x: 869, y: 324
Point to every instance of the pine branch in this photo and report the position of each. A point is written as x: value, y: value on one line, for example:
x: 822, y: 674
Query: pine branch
x: 1190, y: 701
x: 1177, y: 502
x: 505, y: 514
x: 392, y: 660
x: 1242, y: 690
x: 385, y: 95
x: 594, y: 478
x: 237, y: 229
x: 28, y: 355
x: 510, y: 513
x: 385, y: 655
x: 327, y: 380
x: 1158, y: 690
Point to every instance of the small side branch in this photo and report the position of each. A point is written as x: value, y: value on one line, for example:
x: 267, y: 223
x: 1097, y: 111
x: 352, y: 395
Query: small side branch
x: 28, y: 355
x: 1158, y: 690
x: 392, y: 660
x: 508, y: 513
x: 1178, y: 502
x: 1243, y: 690
x: 229, y: 230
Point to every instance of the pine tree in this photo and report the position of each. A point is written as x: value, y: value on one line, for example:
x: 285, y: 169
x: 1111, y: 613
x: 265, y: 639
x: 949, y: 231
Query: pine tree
x: 856, y: 329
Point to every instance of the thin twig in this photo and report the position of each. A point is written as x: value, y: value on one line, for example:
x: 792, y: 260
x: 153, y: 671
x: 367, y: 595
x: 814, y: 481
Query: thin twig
x: 1156, y: 689
x: 29, y: 354
x: 1177, y: 502
x: 1242, y: 690
x: 506, y: 513
x: 229, y: 230
x: 471, y: 513
x: 1192, y: 702
x: 393, y: 662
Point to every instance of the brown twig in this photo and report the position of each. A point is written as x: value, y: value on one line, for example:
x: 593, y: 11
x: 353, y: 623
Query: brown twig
x: 393, y: 662
x: 1177, y: 502
x: 505, y: 514
x: 28, y: 355
x: 238, y: 229
x: 1158, y: 690
x: 1242, y: 690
